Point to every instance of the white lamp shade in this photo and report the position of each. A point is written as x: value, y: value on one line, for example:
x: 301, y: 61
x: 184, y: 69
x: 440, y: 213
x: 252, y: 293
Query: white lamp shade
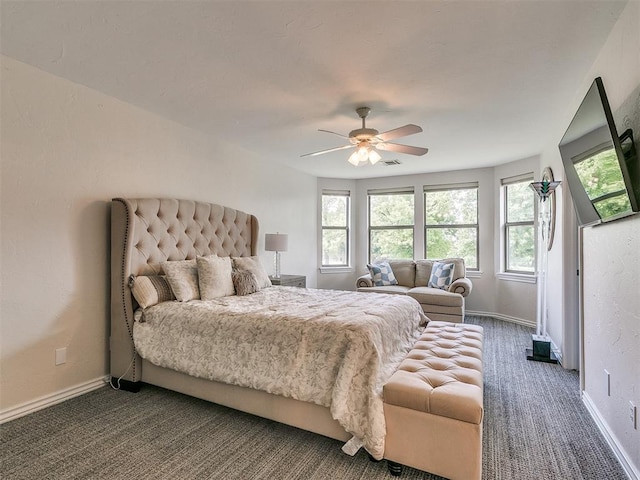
x: 276, y: 242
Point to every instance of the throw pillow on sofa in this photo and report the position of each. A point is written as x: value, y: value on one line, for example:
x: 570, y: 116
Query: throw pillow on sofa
x: 381, y: 274
x: 441, y: 275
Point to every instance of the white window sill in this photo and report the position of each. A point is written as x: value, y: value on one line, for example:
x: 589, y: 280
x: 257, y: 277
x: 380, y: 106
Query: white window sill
x: 336, y: 269
x: 517, y: 277
x: 474, y: 273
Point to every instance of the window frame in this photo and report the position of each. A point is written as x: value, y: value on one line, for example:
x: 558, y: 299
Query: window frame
x: 371, y: 229
x: 346, y: 228
x: 506, y: 225
x: 436, y: 226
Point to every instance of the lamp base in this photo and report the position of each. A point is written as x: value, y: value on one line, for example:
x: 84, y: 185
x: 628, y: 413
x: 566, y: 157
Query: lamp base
x: 541, y: 351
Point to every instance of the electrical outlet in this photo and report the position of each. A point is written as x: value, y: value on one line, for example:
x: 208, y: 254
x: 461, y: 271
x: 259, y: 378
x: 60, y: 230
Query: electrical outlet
x: 608, y: 382
x: 633, y: 415
x: 61, y: 355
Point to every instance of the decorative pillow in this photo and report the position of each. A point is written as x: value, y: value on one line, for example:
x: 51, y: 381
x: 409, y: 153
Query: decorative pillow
x: 441, y: 275
x: 381, y: 274
x: 151, y: 290
x: 214, y: 277
x: 182, y: 275
x: 244, y: 282
x: 253, y: 265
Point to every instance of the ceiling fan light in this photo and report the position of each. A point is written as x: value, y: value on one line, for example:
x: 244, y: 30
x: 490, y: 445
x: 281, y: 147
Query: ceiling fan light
x: 354, y: 159
x: 374, y: 157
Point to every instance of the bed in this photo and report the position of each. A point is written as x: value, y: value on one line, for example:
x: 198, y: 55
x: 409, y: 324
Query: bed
x: 147, y: 232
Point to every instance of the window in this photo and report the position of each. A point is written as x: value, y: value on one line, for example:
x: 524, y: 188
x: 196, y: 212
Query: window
x: 451, y: 222
x: 335, y: 228
x: 519, y: 232
x: 599, y: 173
x: 391, y: 218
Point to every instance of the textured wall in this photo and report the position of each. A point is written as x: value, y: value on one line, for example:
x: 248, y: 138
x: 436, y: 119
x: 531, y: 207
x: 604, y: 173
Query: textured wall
x: 611, y: 271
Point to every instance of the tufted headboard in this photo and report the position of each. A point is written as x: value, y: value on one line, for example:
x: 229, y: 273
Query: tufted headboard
x: 148, y: 231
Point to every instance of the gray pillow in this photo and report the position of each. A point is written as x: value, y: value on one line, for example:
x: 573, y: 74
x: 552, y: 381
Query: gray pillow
x: 253, y: 265
x: 244, y: 282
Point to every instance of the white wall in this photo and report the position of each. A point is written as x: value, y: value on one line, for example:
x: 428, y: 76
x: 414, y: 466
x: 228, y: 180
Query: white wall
x: 611, y: 269
x: 66, y: 151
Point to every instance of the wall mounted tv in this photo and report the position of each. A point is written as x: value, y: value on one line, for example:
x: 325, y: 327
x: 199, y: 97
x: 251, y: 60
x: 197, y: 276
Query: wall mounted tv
x: 601, y: 167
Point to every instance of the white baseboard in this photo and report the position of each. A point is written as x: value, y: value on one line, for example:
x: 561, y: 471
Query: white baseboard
x: 49, y: 400
x: 520, y: 321
x: 506, y: 318
x: 629, y: 468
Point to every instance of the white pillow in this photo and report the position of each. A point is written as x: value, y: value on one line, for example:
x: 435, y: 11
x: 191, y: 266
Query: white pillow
x: 214, y: 277
x: 441, y: 275
x: 182, y: 275
x: 253, y: 265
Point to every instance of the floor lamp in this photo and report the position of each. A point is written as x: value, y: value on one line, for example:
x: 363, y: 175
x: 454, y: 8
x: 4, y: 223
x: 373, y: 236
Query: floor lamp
x: 541, y: 350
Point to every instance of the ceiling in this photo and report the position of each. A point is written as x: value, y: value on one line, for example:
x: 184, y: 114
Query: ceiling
x: 484, y: 79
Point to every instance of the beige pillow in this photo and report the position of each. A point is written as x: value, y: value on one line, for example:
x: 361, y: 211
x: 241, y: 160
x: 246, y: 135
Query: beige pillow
x: 244, y: 282
x: 253, y: 265
x: 183, y: 278
x: 151, y: 290
x: 214, y: 277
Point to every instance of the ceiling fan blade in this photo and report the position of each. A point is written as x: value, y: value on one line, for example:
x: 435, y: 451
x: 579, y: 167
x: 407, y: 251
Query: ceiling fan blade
x: 396, y: 147
x: 399, y: 132
x: 344, y: 147
x: 329, y: 131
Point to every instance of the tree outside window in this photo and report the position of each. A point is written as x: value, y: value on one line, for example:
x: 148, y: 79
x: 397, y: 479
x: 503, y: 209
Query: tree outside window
x: 335, y: 229
x: 519, y: 241
x: 451, y: 223
x: 601, y: 177
x: 391, y: 218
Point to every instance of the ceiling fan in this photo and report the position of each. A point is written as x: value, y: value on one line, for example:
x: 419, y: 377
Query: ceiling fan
x: 367, y: 140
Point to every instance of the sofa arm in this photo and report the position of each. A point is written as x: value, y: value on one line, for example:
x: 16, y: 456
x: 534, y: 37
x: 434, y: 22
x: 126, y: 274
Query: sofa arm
x: 364, y: 281
x: 462, y: 286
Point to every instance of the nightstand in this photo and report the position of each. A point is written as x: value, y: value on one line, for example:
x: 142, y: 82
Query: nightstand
x: 290, y: 281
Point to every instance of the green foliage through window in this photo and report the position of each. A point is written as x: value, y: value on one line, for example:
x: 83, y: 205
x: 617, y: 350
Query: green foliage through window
x: 335, y: 230
x: 391, y: 225
x: 451, y: 224
x: 602, y: 180
x: 520, y: 250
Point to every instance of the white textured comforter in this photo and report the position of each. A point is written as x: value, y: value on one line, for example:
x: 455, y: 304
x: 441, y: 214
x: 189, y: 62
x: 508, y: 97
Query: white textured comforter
x: 332, y: 348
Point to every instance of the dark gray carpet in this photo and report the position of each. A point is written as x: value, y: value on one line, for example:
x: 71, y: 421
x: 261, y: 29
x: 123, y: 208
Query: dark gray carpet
x: 535, y: 427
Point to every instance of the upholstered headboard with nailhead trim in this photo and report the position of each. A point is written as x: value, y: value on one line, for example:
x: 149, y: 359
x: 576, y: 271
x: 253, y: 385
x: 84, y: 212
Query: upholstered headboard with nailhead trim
x: 148, y: 231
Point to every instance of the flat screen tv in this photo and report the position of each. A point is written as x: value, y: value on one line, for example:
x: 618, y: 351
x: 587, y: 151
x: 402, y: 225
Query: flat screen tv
x: 601, y: 167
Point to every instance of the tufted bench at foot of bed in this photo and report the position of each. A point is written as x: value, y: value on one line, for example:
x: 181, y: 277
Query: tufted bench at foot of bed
x: 433, y: 404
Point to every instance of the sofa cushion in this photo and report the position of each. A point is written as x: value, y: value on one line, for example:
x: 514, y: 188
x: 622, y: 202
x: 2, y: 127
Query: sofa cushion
x: 436, y: 296
x: 404, y: 271
x: 382, y: 274
x: 424, y: 267
x: 397, y: 289
x: 441, y: 275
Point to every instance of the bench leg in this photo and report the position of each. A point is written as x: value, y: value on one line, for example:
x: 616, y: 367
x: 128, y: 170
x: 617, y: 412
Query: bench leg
x: 395, y: 469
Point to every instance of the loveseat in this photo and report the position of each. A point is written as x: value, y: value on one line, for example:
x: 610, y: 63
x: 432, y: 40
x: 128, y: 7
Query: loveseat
x: 442, y: 304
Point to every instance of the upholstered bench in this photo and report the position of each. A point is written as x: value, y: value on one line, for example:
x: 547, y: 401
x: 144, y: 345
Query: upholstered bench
x: 433, y: 404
